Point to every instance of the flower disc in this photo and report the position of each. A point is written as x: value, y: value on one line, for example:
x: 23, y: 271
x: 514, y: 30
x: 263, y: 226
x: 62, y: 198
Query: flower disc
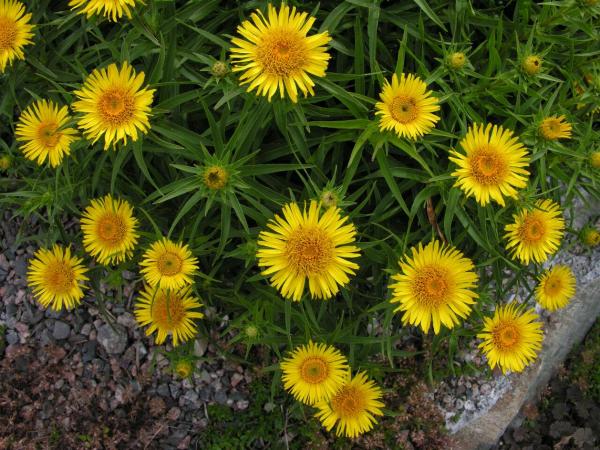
x: 511, y: 338
x: 56, y: 278
x: 434, y: 286
x: 276, y: 53
x: 353, y: 407
x: 535, y: 234
x: 168, y: 264
x: 308, y: 246
x: 556, y: 288
x: 407, y: 107
x: 113, y: 104
x: 493, y: 165
x: 15, y: 32
x: 109, y: 230
x: 314, y: 372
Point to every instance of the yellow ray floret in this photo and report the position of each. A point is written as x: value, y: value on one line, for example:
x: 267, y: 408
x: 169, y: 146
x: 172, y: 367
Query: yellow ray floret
x: 555, y: 127
x: 511, y: 339
x: 43, y: 133
x: 314, y: 372
x: 306, y: 246
x: 435, y: 286
x: 407, y: 107
x: 113, y: 104
x: 56, y: 278
x: 353, y: 408
x: 556, y: 288
x: 15, y: 32
x: 275, y: 53
x: 537, y: 233
x: 109, y: 230
x: 112, y: 9
x: 168, y: 312
x: 168, y: 264
x: 493, y: 165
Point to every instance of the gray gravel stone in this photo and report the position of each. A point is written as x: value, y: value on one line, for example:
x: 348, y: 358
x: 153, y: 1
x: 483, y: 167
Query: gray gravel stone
x: 21, y: 267
x: 163, y: 390
x: 61, y: 330
x: 88, y: 351
x: 12, y: 337
x: 221, y: 397
x: 114, y: 340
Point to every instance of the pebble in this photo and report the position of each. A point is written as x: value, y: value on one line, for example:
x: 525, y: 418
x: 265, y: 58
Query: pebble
x: 200, y: 346
x: 21, y: 267
x: 114, y: 340
x: 12, y: 337
x: 86, y: 329
x: 60, y: 330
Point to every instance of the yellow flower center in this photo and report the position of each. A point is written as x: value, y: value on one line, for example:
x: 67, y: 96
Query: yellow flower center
x: 167, y: 310
x: 48, y: 134
x: 8, y: 33
x: 553, y: 286
x: 111, y: 228
x: 116, y: 106
x: 505, y: 336
x: 169, y: 264
x: 457, y: 60
x: 532, y: 230
x: 282, y: 53
x: 215, y: 177
x: 488, y: 167
x: 314, y: 370
x: 309, y: 251
x: 349, y: 402
x: 404, y: 109
x: 60, y: 277
x: 532, y: 65
x: 551, y: 128
x: 431, y: 285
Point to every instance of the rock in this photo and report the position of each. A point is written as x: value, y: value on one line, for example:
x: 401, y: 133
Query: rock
x: 174, y: 413
x: 11, y: 310
x: 88, y: 351
x: 220, y: 397
x: 200, y: 346
x: 32, y: 317
x: 114, y: 340
x: 86, y: 329
x: 242, y: 404
x: 127, y: 320
x: 560, y: 428
x: 559, y: 410
x: 21, y: 267
x: 12, y: 338
x: 235, y: 379
x: 60, y: 330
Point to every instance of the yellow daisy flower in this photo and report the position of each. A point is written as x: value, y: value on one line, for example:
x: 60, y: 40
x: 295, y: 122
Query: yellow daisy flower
x: 435, y: 286
x: 353, y: 407
x: 168, y: 312
x: 590, y: 237
x: 168, y: 264
x: 5, y: 162
x: 314, y: 372
x: 42, y: 129
x: 511, y: 339
x: 535, y: 234
x: 184, y: 368
x: 215, y: 178
x: 407, y: 107
x: 457, y: 60
x: 56, y: 278
x: 15, y: 32
x: 276, y: 53
x: 493, y: 166
x: 555, y: 127
x: 113, y: 104
x: 111, y: 9
x: 532, y: 65
x: 308, y: 246
x: 556, y: 288
x: 109, y: 230
x: 595, y: 160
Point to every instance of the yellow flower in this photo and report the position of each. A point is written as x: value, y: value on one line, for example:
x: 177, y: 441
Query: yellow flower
x: 434, y: 286
x: 595, y: 160
x: 113, y: 104
x: 219, y: 69
x: 168, y: 264
x: 42, y: 129
x: 314, y: 372
x: 535, y: 234
x: 5, y: 162
x: 276, y: 53
x: 457, y: 60
x: 307, y: 246
x: 215, y: 177
x: 184, y: 368
x: 511, y: 339
x: 532, y: 64
x: 112, y: 9
x: 15, y: 32
x: 407, y: 107
x: 556, y: 288
x: 353, y: 407
x: 168, y: 312
x: 590, y: 237
x: 494, y: 165
x: 555, y: 127
x: 56, y: 278
x: 109, y: 230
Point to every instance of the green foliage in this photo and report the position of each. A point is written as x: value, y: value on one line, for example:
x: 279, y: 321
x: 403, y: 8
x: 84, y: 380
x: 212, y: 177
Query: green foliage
x: 585, y: 369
